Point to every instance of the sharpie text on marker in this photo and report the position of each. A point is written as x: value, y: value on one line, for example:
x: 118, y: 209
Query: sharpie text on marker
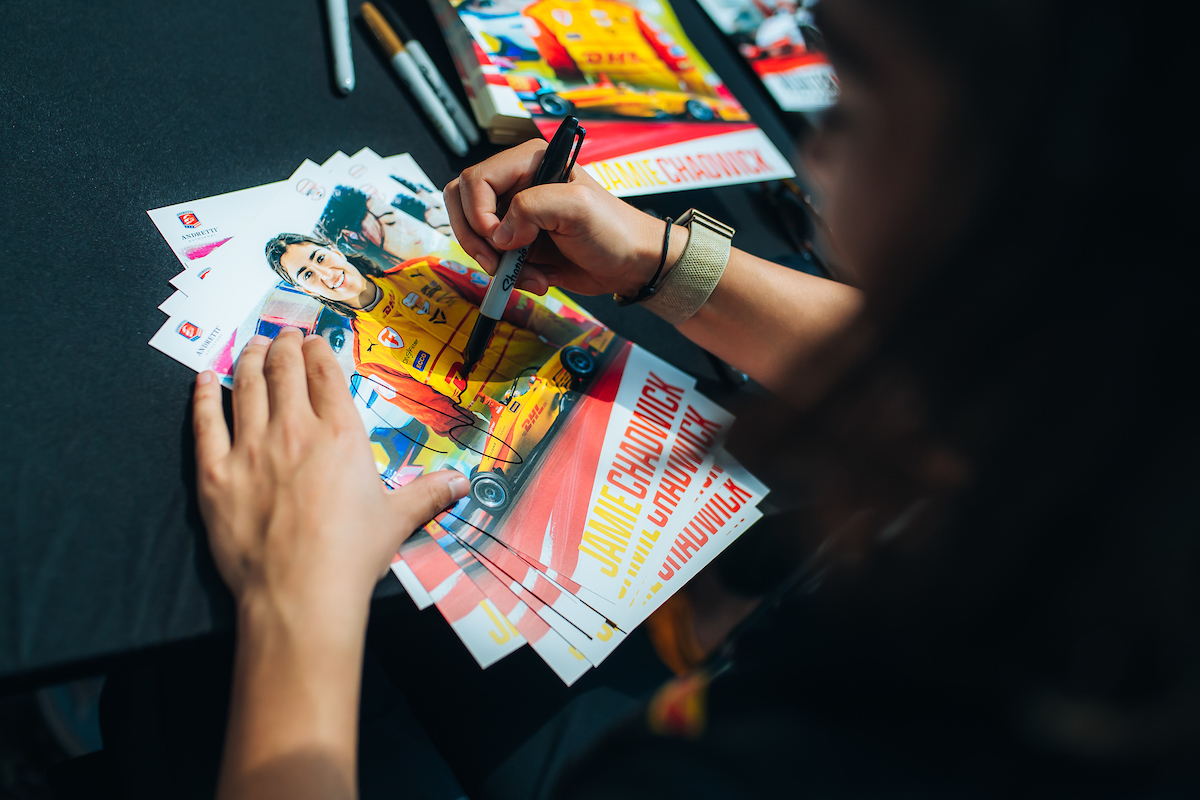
x: 510, y: 280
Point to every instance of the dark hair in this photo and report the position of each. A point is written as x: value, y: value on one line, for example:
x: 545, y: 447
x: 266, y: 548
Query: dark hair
x: 341, y: 223
x: 277, y: 246
x: 411, y: 185
x: 345, y: 211
x: 1002, y: 491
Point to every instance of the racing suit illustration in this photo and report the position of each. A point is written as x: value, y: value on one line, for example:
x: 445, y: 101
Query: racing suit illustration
x: 583, y: 39
x: 411, y: 340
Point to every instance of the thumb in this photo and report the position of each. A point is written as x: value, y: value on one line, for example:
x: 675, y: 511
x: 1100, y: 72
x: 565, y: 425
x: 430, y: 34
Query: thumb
x: 561, y: 208
x: 420, y: 501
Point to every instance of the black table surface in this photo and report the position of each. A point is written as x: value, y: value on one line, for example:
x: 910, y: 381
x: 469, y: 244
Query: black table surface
x: 110, y: 109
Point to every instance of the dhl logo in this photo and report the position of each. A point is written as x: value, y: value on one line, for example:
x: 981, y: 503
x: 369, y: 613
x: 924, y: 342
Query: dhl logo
x: 613, y: 57
x: 533, y: 417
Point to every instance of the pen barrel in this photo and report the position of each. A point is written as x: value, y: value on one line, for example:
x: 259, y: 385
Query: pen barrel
x: 444, y: 92
x: 477, y: 343
x: 339, y: 40
x: 505, y: 279
x: 410, y: 73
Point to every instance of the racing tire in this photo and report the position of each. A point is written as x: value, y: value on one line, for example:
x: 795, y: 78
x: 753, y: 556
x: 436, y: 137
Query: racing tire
x: 491, y: 490
x: 555, y: 105
x: 578, y: 363
x: 698, y: 111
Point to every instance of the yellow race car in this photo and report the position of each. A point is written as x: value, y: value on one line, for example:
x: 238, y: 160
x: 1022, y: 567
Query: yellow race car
x: 623, y: 100
x: 534, y: 407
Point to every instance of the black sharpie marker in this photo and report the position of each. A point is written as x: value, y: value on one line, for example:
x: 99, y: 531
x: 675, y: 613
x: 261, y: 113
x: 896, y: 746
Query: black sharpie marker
x: 556, y: 166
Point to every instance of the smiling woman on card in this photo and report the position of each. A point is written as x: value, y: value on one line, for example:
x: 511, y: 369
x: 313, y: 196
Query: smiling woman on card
x: 411, y: 320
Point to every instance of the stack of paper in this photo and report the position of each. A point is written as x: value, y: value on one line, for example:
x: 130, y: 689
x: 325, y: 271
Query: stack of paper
x: 658, y: 117
x: 599, y: 482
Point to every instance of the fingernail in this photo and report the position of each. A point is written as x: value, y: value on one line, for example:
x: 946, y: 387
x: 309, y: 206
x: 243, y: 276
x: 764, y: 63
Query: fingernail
x: 312, y: 336
x: 205, y: 378
x: 258, y: 339
x: 289, y: 329
x: 551, y: 277
x: 459, y: 485
x: 503, y: 234
x: 527, y: 284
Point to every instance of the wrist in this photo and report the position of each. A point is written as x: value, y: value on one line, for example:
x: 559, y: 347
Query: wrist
x: 649, y: 253
x: 295, y: 692
x: 326, y: 624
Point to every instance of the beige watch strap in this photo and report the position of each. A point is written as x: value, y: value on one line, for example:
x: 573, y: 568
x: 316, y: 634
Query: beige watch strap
x: 690, y: 282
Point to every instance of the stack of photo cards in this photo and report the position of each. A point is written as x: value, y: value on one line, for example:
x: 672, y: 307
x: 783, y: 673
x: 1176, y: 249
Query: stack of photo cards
x: 599, y: 482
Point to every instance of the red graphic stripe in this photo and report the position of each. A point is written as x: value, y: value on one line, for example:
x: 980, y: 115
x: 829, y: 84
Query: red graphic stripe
x: 766, y: 66
x: 445, y: 344
x: 562, y: 491
x: 614, y: 138
x: 433, y: 567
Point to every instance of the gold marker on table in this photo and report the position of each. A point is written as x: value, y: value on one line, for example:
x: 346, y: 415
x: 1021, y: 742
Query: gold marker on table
x: 410, y: 73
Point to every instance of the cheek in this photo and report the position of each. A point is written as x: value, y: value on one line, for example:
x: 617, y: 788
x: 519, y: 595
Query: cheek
x: 393, y: 235
x: 873, y: 182
x: 371, y: 229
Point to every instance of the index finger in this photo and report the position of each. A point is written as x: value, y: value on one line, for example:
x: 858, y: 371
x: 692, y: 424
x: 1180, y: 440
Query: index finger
x: 475, y: 246
x: 482, y: 185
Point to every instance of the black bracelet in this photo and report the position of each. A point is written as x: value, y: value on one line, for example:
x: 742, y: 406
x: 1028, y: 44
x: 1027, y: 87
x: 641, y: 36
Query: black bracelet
x: 650, y: 288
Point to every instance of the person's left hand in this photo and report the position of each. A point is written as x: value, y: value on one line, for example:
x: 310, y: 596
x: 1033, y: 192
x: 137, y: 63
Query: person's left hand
x: 298, y: 520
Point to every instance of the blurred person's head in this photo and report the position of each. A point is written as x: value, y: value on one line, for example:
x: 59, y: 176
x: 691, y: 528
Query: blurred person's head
x: 999, y: 478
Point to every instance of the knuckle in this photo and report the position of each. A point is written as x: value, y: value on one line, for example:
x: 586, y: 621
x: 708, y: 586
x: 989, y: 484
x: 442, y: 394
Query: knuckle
x: 471, y: 175
x: 212, y: 476
x: 280, y: 362
x: 438, y: 495
x: 252, y: 454
x: 322, y: 373
x: 292, y: 435
x: 244, y: 378
x: 522, y: 203
x: 534, y: 145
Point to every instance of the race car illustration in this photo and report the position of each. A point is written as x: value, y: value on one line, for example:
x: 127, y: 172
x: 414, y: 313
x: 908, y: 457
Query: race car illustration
x: 605, y: 98
x: 535, y: 406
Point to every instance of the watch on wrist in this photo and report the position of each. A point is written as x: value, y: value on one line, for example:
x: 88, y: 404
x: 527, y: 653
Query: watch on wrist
x: 691, y: 281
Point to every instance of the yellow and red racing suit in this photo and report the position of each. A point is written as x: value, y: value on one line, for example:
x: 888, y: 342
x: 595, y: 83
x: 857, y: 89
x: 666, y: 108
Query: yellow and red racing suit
x: 580, y: 39
x: 413, y: 337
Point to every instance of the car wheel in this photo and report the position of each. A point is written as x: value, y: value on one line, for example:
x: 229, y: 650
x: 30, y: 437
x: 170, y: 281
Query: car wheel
x: 578, y: 363
x: 491, y: 490
x: 555, y: 106
x: 698, y: 111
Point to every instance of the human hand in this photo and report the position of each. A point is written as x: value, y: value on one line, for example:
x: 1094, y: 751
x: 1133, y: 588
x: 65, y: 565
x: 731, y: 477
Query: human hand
x: 596, y: 243
x: 298, y: 520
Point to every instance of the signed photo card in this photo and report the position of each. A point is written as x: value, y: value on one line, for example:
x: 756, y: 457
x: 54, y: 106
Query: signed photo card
x: 333, y: 255
x: 599, y: 483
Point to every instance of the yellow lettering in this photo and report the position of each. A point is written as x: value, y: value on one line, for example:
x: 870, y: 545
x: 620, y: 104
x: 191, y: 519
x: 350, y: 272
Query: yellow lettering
x: 504, y: 629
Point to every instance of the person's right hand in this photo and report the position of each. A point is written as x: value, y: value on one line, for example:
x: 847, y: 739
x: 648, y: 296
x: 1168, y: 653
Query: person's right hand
x: 596, y: 243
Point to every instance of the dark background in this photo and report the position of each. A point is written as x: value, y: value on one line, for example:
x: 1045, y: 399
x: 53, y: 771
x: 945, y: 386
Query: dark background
x: 110, y: 109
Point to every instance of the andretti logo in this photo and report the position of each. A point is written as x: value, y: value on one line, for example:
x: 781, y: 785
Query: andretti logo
x: 189, y: 331
x: 310, y: 189
x: 189, y: 219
